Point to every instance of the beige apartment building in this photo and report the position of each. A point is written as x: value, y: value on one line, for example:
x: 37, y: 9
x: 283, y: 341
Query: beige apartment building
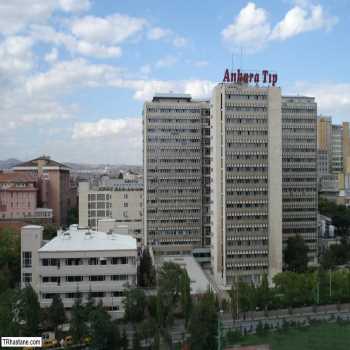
x: 120, y: 202
x: 176, y: 151
x: 246, y: 165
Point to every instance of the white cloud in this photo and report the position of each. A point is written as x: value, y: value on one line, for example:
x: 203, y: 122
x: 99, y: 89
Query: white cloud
x: 15, y: 56
x: 299, y: 20
x: 332, y: 98
x: 251, y: 29
x: 48, y: 34
x: 51, y: 56
x: 179, y: 41
x: 158, y: 33
x: 167, y: 61
x: 15, y: 15
x: 75, y: 5
x: 66, y: 75
x: 107, y: 127
x: 200, y: 64
x: 112, y: 29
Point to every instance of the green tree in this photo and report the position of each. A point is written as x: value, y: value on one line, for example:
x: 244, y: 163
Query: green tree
x: 185, y: 296
x: 9, y: 322
x: 78, y: 320
x: 124, y: 342
x: 29, y: 312
x: 72, y: 216
x: 147, y: 275
x: 56, y: 312
x: 10, y: 259
x: 295, y: 254
x: 264, y: 294
x: 134, y: 304
x: 136, y: 345
x: 101, y: 329
x: 204, y: 323
x: 50, y: 231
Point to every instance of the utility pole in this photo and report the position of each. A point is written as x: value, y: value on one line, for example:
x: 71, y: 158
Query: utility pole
x: 220, y: 331
x: 330, y: 282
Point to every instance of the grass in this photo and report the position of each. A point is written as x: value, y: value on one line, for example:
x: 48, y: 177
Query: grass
x: 325, y: 336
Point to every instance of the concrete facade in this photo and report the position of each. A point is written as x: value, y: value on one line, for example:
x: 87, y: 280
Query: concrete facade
x: 54, y: 186
x: 246, y: 193
x: 300, y: 190
x: 176, y: 137
x: 122, y: 202
x: 79, y: 263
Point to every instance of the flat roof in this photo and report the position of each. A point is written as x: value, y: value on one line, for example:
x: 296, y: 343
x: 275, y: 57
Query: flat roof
x: 87, y: 240
x: 199, y: 281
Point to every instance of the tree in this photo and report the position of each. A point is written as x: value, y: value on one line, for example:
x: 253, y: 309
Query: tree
x: 204, y: 323
x: 101, y: 329
x: 78, y: 320
x: 169, y: 290
x: 124, y: 341
x: 185, y: 296
x: 295, y: 254
x: 134, y: 304
x: 147, y: 275
x: 136, y: 341
x: 263, y: 293
x: 72, y: 216
x: 50, y: 231
x: 56, y: 312
x: 9, y: 322
x: 10, y: 259
x: 29, y: 312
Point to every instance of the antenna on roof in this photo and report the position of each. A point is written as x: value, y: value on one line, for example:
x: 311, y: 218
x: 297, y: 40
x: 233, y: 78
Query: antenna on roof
x: 241, y: 57
x: 232, y: 61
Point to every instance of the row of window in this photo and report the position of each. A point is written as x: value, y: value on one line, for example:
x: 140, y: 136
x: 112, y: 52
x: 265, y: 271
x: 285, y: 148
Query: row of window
x: 91, y: 278
x: 89, y: 261
x: 76, y: 295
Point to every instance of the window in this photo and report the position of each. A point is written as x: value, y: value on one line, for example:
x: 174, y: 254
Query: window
x: 126, y: 205
x: 93, y: 261
x: 97, y: 294
x: 50, y: 262
x: 119, y: 277
x: 27, y: 259
x: 97, y: 278
x: 121, y: 260
x: 73, y: 261
x: 125, y: 196
x: 118, y: 293
x: 74, y: 278
x: 27, y: 277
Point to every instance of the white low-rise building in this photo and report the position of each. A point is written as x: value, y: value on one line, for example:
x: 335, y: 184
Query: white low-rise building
x: 79, y: 262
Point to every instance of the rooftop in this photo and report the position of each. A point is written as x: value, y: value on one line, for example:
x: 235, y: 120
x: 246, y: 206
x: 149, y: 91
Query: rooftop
x: 159, y: 96
x: 46, y: 159
x: 86, y: 240
x: 11, y: 177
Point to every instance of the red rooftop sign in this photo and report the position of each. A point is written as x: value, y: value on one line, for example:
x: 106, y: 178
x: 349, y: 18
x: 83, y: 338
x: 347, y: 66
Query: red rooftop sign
x: 239, y: 77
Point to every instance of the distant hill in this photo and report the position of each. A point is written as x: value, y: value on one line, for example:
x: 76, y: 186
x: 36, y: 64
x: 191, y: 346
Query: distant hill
x: 9, y: 163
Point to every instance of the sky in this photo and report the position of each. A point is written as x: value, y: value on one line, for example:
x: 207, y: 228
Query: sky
x: 75, y: 73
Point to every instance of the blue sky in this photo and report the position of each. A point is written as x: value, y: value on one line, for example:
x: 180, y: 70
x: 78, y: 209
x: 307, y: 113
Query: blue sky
x: 75, y: 73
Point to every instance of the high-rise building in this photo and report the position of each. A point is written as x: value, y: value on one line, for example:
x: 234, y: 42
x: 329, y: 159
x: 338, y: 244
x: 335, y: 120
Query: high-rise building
x: 246, y: 164
x: 176, y: 137
x: 324, y: 141
x: 337, y: 150
x: 299, y: 154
